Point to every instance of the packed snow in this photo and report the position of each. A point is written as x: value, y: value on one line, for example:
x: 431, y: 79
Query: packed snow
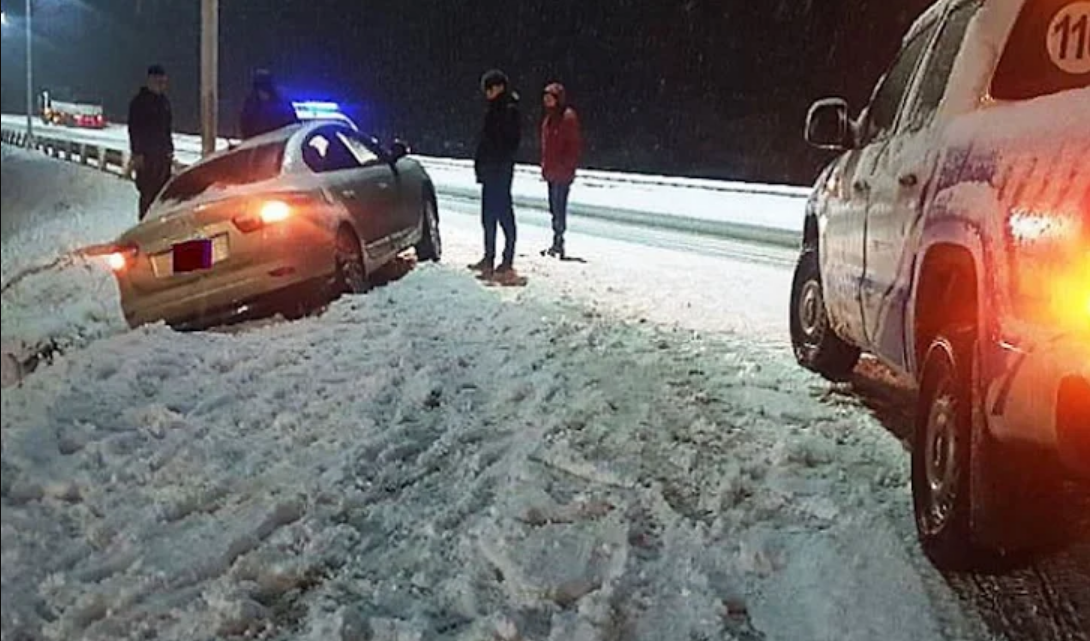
x: 605, y: 455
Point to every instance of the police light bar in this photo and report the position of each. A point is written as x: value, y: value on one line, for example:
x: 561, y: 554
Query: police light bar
x: 316, y: 109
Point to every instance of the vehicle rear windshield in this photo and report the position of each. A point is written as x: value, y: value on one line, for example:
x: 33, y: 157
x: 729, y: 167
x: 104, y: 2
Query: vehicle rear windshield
x: 239, y: 168
x: 1048, y: 51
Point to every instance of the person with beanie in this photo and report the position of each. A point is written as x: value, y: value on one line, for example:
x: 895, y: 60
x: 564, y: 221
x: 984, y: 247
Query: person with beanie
x: 561, y: 151
x: 494, y: 163
x: 151, y: 138
x: 265, y: 110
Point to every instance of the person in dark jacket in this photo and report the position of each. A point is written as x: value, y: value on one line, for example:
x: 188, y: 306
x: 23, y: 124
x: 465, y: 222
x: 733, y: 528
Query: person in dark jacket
x: 151, y: 138
x: 265, y: 110
x: 495, y: 167
x: 561, y: 150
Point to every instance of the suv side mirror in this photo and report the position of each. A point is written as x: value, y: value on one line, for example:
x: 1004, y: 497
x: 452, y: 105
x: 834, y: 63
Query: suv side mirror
x: 399, y: 150
x: 828, y: 125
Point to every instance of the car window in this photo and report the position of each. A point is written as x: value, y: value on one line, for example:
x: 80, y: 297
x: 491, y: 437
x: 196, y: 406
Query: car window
x: 240, y: 167
x: 936, y: 75
x: 325, y: 151
x: 890, y: 95
x: 1048, y: 51
x: 360, y: 150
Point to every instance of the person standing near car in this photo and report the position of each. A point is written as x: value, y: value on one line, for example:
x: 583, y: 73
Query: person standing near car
x: 266, y: 110
x: 495, y: 167
x: 561, y: 150
x: 151, y: 140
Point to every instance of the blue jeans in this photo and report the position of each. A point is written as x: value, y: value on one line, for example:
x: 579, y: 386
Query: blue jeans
x: 558, y: 206
x: 498, y: 209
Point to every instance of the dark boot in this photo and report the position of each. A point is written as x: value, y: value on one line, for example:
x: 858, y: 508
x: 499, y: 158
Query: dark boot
x: 484, y: 265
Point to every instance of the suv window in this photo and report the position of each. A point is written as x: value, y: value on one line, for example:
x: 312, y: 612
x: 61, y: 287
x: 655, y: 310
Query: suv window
x: 1048, y: 51
x: 941, y: 64
x: 325, y: 151
x: 243, y: 167
x: 891, y: 93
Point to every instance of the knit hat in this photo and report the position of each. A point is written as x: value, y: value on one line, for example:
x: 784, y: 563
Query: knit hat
x: 494, y: 78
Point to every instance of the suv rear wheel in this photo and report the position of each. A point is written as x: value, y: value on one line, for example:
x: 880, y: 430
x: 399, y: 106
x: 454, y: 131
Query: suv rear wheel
x: 942, y: 457
x: 817, y: 346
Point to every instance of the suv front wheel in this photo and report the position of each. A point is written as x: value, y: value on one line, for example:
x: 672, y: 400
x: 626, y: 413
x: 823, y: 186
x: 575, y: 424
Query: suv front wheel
x: 817, y: 346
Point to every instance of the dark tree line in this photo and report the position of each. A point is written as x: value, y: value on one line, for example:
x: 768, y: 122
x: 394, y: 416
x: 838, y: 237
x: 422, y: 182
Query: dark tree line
x: 701, y: 87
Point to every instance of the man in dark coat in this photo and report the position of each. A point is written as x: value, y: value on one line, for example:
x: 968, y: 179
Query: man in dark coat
x: 265, y: 110
x: 495, y: 167
x: 151, y: 138
x: 561, y: 150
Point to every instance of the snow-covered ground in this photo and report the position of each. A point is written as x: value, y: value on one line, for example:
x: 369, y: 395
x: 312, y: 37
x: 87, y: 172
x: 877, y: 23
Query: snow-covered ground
x: 622, y: 451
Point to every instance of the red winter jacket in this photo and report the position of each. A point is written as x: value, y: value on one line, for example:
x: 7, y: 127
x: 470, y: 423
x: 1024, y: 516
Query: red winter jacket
x: 561, y: 141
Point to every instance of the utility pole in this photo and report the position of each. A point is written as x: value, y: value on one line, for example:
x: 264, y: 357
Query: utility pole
x: 30, y: 100
x: 209, y: 75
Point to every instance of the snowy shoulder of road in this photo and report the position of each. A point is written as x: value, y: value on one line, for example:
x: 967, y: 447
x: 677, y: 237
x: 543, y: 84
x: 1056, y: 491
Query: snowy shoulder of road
x: 443, y: 461
x: 52, y: 299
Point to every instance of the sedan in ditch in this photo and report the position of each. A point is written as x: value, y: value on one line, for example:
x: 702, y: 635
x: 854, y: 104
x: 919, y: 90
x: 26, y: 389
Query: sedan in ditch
x: 282, y: 223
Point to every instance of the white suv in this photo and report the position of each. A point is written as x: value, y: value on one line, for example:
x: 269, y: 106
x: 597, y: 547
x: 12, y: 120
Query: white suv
x: 951, y: 239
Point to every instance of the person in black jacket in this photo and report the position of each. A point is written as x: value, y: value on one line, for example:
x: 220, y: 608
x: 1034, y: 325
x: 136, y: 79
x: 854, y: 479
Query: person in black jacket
x: 265, y: 109
x: 495, y: 167
x: 151, y: 137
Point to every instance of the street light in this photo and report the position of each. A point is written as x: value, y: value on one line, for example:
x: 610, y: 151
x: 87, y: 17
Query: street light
x: 29, y: 77
x: 29, y: 71
x: 209, y: 75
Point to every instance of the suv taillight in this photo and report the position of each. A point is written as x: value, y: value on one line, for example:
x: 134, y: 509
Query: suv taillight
x: 1051, y: 267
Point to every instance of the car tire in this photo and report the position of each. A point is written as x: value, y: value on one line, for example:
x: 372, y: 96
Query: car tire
x: 351, y: 273
x: 430, y: 247
x: 943, y: 453
x: 816, y: 344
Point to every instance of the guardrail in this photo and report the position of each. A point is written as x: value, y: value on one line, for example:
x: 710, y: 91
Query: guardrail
x: 765, y: 214
x: 102, y: 157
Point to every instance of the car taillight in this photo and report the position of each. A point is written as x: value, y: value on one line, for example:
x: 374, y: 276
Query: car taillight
x: 270, y: 212
x: 121, y: 259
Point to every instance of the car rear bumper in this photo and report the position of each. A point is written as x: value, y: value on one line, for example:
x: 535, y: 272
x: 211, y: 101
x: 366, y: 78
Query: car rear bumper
x: 231, y: 292
x: 1045, y: 399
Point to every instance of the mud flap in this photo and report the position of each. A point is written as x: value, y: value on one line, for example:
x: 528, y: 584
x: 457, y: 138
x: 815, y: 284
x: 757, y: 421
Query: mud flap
x: 1017, y: 491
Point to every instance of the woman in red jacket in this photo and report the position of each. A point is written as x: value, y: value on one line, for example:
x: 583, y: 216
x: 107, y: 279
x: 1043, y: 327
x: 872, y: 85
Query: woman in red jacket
x: 561, y: 149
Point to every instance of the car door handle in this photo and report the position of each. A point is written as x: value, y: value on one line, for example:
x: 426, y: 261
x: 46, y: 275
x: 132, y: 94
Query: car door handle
x: 861, y: 187
x: 384, y: 186
x: 909, y: 180
x: 349, y: 194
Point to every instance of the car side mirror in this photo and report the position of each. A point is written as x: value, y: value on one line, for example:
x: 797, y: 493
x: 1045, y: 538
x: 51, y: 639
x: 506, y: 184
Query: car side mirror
x: 828, y: 125
x: 399, y: 150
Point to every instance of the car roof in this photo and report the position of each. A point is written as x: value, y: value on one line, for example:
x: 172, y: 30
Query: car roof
x: 284, y: 136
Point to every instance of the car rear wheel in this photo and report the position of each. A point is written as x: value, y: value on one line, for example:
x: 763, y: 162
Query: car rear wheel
x: 430, y: 247
x: 817, y: 346
x: 942, y: 456
x: 351, y: 276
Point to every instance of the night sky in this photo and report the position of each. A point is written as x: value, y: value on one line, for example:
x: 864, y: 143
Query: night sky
x: 715, y: 88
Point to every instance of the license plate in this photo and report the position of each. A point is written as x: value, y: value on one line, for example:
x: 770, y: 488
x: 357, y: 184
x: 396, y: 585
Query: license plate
x: 193, y: 256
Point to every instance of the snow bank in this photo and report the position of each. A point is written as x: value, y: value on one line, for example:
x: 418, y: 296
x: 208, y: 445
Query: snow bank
x: 51, y: 299
x: 434, y: 462
x: 442, y: 461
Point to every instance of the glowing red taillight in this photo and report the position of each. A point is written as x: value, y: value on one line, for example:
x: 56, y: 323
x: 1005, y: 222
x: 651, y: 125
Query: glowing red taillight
x: 121, y: 258
x: 270, y: 212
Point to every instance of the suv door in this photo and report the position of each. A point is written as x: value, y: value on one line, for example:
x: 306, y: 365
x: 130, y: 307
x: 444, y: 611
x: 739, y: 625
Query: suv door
x: 903, y: 171
x: 844, y: 247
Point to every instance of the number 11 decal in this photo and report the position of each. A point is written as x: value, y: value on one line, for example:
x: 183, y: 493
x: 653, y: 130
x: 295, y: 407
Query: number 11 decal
x: 1069, y: 39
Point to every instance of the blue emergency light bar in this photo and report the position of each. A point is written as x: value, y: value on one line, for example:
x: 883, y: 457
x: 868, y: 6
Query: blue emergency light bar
x: 316, y: 109
x: 321, y: 110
